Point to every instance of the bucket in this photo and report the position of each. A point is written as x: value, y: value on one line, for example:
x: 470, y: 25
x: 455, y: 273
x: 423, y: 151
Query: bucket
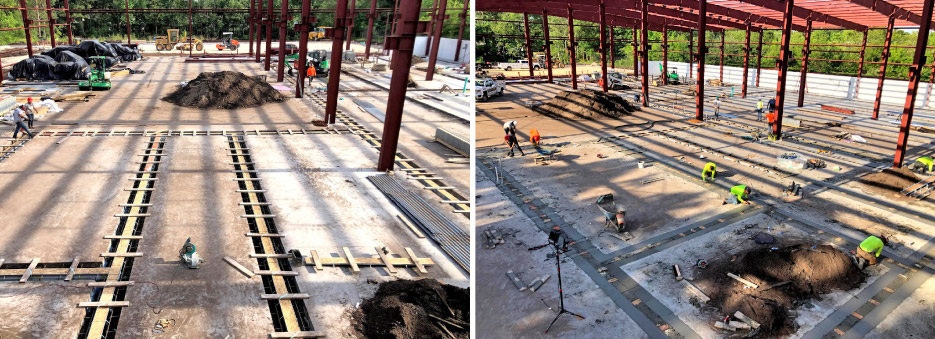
x: 640, y: 164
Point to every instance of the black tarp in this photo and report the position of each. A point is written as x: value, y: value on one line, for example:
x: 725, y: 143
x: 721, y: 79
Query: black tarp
x: 42, y: 67
x: 71, y: 66
x: 86, y: 49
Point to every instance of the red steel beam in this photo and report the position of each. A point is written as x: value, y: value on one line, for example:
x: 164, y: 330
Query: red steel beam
x: 644, y: 40
x: 433, y: 57
x: 665, y: 54
x: 746, y: 61
x: 806, y: 13
x: 804, y: 71
x: 251, y: 20
x: 889, y: 9
x: 190, y: 31
x: 616, y: 16
x: 691, y: 51
x: 269, y: 35
x: 613, y: 48
x: 785, y: 54
x: 759, y: 57
x: 370, y: 17
x: 602, y: 35
x: 860, y: 64
x: 636, y: 53
x: 283, y: 19
x: 305, y: 22
x: 915, y: 72
x: 572, y: 47
x: 48, y: 5
x: 26, y: 23
x: 334, y: 75
x: 721, y: 72
x: 463, y: 15
x: 713, y: 9
x: 886, y: 57
x: 350, y: 25
x: 260, y: 18
x: 68, y: 20
x: 699, y: 87
x: 404, y: 36
x: 428, y: 37
x: 548, y: 44
x: 527, y: 42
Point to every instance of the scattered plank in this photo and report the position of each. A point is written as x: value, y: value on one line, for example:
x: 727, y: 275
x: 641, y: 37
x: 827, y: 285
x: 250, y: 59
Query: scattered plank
x: 282, y: 273
x: 315, y: 257
x: 744, y: 281
x: 415, y: 261
x: 239, y: 267
x: 104, y: 304
x: 122, y: 255
x: 284, y: 296
x: 111, y: 283
x: 71, y: 269
x: 350, y: 259
x: 32, y: 266
x: 301, y: 334
x: 697, y: 291
x: 412, y: 227
x: 389, y: 265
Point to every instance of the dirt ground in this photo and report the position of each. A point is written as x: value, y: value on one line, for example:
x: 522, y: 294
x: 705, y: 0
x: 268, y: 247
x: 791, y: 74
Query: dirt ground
x: 410, y: 309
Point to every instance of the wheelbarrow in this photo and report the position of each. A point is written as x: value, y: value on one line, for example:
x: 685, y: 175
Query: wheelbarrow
x: 614, y: 214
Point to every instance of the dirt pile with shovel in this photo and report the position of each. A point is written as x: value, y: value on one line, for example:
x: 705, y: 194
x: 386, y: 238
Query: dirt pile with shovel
x: 226, y: 90
x: 415, y: 309
x: 586, y: 105
x: 787, y: 278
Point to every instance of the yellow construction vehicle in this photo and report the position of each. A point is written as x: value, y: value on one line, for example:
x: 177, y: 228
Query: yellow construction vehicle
x: 167, y: 42
x: 542, y: 60
x: 189, y: 42
x: 317, y: 34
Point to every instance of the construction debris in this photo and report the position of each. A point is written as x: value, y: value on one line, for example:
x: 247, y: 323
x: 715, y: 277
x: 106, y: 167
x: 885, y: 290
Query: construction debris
x: 516, y: 281
x: 414, y: 309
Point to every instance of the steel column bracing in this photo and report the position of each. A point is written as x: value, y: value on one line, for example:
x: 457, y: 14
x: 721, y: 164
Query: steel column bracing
x: 372, y: 15
x: 886, y: 57
x: 915, y: 72
x: 784, y: 58
x: 644, y: 57
x: 721, y: 72
x: 350, y: 25
x: 403, y: 44
x: 636, y: 53
x: 759, y: 57
x: 463, y: 15
x: 602, y: 36
x: 527, y: 44
x: 269, y: 34
x: 305, y: 22
x: 860, y: 65
x: 665, y: 54
x: 48, y: 6
x: 746, y: 60
x: 26, y: 22
x: 68, y: 20
x: 436, y: 41
x: 283, y: 19
x: 702, y: 50
x: 334, y: 75
x: 432, y: 16
x: 548, y: 44
x: 572, y: 48
x: 804, y: 71
x: 251, y: 20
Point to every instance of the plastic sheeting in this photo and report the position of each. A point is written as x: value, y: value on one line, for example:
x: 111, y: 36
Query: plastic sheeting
x: 88, y: 48
x: 43, y: 67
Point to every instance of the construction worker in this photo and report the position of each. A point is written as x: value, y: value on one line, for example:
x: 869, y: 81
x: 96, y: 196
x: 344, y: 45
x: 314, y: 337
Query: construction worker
x: 759, y: 109
x: 771, y: 105
x: 19, y: 115
x: 923, y: 165
x: 717, y: 107
x: 510, y: 129
x: 534, y: 137
x: 709, y: 169
x: 738, y: 194
x: 770, y: 121
x: 30, y: 111
x: 310, y: 73
x: 869, y: 250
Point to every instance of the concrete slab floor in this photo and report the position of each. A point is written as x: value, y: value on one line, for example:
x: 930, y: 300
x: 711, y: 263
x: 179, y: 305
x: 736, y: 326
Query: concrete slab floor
x: 508, y: 312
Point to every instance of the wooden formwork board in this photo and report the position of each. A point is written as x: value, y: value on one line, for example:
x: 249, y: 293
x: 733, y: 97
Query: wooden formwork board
x: 382, y: 259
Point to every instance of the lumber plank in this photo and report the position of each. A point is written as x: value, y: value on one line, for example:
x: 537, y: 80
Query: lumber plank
x: 271, y: 235
x: 412, y: 227
x: 389, y: 265
x: 284, y: 296
x: 239, y: 267
x: 277, y: 256
x: 279, y: 273
x: 104, y: 304
x: 350, y: 259
x: 32, y: 266
x: 415, y: 260
x: 123, y: 255
x: 300, y: 334
x: 111, y: 283
x: 128, y: 237
x: 71, y: 269
x: 744, y: 281
x: 697, y: 291
x: 315, y: 257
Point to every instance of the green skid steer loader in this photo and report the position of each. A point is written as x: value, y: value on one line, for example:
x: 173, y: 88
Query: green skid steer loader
x: 99, y: 78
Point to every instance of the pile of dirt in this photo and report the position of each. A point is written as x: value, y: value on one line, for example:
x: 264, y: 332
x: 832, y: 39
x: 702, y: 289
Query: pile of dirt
x: 890, y: 180
x: 809, y: 270
x: 226, y: 90
x: 586, y: 104
x: 413, y: 309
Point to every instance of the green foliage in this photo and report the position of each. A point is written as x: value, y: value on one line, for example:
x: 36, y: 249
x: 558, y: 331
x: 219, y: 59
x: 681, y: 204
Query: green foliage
x: 503, y: 41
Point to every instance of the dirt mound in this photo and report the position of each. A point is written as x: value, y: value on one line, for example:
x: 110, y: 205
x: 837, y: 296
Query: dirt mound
x: 810, y: 272
x: 402, y: 309
x: 224, y: 90
x: 890, y: 180
x: 586, y: 104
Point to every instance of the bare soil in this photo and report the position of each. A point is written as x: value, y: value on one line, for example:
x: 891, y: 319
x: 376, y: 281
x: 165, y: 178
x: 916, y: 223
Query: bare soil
x: 810, y: 272
x: 402, y: 309
x: 227, y: 90
x: 586, y: 104
x: 890, y: 180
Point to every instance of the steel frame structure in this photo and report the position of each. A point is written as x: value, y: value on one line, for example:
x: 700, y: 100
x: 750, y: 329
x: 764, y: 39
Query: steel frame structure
x: 751, y: 16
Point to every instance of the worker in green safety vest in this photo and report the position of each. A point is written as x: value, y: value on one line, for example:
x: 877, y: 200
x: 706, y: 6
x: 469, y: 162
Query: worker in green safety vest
x: 923, y: 164
x: 869, y: 250
x: 710, y: 169
x: 739, y: 194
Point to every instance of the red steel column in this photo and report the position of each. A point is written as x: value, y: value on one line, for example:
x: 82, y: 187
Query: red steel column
x: 860, y: 65
x: 636, y: 55
x: 350, y: 25
x: 548, y: 44
x: 304, y: 23
x: 260, y: 18
x: 746, y: 61
x: 283, y: 19
x: 463, y: 15
x: 572, y: 50
x: 691, y: 49
x: 191, y: 47
x: 528, y: 42
x: 665, y: 54
x: 886, y: 57
x: 370, y: 17
x: 699, y: 85
x: 613, y: 47
x: 269, y: 34
x: 759, y: 57
x: 721, y: 76
x: 68, y: 20
x: 602, y: 35
x: 440, y: 18
x: 784, y: 56
x: 644, y: 40
x: 432, y: 23
x: 251, y: 19
x: 127, y: 4
x: 404, y: 36
x: 26, y: 21
x: 334, y: 75
x: 48, y: 6
x: 915, y: 72
x: 804, y: 71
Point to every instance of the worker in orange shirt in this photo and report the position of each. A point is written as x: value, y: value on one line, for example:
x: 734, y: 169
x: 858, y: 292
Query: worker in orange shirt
x: 771, y: 121
x: 534, y: 137
x: 311, y: 74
